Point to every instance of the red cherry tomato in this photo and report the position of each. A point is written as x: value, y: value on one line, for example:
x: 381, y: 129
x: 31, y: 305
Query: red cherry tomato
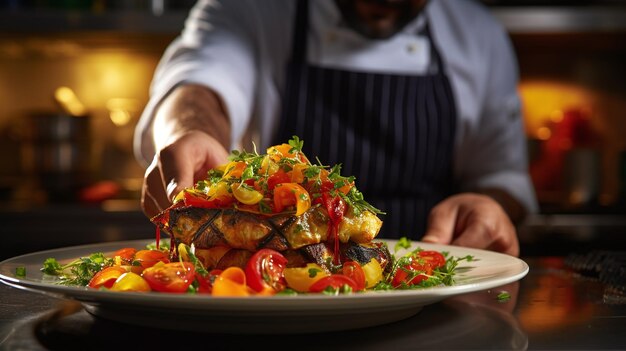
x: 148, y: 258
x: 354, y: 270
x: 335, y: 281
x: 170, y: 277
x: 434, y: 258
x: 277, y: 178
x: 127, y: 254
x: 106, y: 277
x: 422, y: 265
x: 264, y: 271
x: 205, y: 282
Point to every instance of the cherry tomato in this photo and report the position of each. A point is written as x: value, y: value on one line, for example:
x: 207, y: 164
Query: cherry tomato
x: 246, y: 194
x: 297, y: 173
x: 205, y: 282
x: 435, y: 258
x: 335, y: 281
x: 422, y: 265
x: 277, y: 152
x: 130, y: 281
x: 277, y: 178
x: 126, y: 255
x: 106, y: 277
x: 335, y: 206
x: 373, y: 273
x: 264, y: 271
x: 234, y: 169
x: 214, y: 202
x: 148, y: 258
x: 289, y: 194
x: 354, y: 270
x: 301, y: 278
x: 170, y: 277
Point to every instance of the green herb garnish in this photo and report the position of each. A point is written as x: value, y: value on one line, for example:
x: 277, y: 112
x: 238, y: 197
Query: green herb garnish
x: 503, y: 296
x: 78, y: 272
x: 20, y: 272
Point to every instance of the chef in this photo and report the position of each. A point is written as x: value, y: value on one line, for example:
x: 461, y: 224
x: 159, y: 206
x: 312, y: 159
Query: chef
x: 415, y: 98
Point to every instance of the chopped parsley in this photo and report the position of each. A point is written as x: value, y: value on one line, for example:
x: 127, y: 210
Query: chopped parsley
x: 20, y: 272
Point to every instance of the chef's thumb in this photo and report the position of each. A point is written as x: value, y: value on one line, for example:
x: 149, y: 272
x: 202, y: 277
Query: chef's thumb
x: 440, y: 227
x: 177, y: 174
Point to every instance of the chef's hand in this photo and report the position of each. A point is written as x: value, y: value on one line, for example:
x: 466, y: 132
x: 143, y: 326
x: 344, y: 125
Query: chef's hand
x: 177, y: 166
x: 472, y: 220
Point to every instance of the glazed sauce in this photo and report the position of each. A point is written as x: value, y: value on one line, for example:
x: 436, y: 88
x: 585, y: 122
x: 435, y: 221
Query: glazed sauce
x: 336, y: 208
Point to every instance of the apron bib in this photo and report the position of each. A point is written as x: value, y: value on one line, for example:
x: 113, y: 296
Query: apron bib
x: 394, y: 133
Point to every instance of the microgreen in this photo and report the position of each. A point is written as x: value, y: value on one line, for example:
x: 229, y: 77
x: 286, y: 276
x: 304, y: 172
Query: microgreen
x: 79, y: 271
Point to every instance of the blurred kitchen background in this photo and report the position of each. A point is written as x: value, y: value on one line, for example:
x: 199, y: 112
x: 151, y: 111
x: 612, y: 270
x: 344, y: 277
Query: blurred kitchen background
x: 74, y: 77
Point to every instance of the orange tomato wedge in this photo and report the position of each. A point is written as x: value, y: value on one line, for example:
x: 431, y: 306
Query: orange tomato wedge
x: 289, y: 194
x: 231, y: 282
x: 234, y: 169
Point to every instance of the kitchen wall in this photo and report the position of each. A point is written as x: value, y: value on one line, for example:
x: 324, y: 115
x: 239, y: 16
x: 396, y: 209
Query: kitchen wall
x: 571, y: 62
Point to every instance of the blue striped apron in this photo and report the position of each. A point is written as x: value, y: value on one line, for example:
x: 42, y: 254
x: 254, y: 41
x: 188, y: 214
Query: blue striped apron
x: 394, y: 133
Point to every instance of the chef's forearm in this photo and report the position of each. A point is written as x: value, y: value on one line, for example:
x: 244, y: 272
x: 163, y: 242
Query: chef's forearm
x: 190, y: 107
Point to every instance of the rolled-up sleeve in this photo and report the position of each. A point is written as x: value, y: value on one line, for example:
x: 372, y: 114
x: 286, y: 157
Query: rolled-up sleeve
x: 215, y: 50
x: 495, y: 156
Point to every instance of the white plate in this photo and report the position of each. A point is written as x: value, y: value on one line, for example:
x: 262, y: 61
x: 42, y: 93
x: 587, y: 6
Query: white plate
x: 269, y: 314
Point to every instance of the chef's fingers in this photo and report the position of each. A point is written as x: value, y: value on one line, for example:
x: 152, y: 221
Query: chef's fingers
x: 441, y: 223
x: 177, y: 170
x: 154, y: 196
x: 490, y: 229
x: 188, y: 159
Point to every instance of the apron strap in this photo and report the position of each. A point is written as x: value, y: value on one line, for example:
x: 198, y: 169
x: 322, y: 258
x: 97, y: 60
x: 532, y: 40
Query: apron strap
x: 301, y: 24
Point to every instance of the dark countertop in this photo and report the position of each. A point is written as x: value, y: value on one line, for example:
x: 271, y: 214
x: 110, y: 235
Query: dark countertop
x: 550, y: 308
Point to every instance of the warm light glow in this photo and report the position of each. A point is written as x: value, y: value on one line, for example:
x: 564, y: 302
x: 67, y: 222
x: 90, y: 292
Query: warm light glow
x: 119, y: 117
x: 556, y: 116
x: 544, y: 133
x: 544, y: 102
x: 69, y: 101
x: 120, y: 110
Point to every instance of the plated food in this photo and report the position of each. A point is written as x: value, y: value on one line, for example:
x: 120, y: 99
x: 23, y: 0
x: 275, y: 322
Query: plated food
x: 265, y: 224
x: 280, y: 201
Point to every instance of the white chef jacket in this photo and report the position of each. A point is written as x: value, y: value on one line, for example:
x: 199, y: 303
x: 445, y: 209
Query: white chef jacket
x: 240, y: 49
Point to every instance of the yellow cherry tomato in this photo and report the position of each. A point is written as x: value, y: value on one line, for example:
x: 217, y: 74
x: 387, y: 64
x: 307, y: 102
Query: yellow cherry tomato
x: 130, y: 282
x: 373, y: 273
x: 246, y: 194
x: 301, y: 278
x: 219, y: 190
x: 268, y: 166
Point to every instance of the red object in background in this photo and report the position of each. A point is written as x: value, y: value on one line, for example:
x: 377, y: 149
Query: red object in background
x: 573, y: 131
x: 99, y: 192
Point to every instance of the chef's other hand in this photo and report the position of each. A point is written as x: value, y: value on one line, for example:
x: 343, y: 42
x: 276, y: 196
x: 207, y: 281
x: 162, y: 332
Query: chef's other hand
x: 472, y: 220
x: 177, y: 166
